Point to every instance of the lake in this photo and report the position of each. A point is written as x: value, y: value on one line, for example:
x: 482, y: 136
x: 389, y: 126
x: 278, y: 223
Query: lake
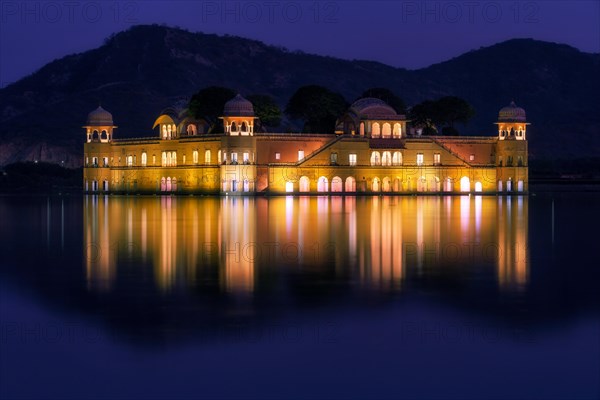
x: 337, y: 297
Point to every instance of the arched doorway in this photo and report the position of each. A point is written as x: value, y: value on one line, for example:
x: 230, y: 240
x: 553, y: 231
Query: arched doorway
x: 387, y: 184
x: 336, y: 184
x: 322, y: 184
x: 350, y: 184
x: 376, y: 185
x: 304, y: 184
x: 448, y: 185
x: 422, y: 184
x: 465, y: 184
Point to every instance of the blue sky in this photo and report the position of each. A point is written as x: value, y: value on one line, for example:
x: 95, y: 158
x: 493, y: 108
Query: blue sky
x: 409, y: 34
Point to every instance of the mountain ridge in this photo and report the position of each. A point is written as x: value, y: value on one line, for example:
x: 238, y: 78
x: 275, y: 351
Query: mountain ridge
x: 140, y: 71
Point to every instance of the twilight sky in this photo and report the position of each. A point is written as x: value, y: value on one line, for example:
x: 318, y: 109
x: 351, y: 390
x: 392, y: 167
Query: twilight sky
x: 409, y: 34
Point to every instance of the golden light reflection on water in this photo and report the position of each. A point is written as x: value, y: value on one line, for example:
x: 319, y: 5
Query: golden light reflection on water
x: 377, y: 242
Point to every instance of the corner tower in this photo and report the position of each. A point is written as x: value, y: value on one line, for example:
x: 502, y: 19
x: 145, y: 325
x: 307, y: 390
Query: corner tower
x: 97, y: 150
x: 511, y: 150
x: 512, y: 123
x: 99, y: 126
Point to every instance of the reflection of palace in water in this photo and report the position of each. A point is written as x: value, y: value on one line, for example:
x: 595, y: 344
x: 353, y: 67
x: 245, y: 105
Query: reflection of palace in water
x: 236, y: 242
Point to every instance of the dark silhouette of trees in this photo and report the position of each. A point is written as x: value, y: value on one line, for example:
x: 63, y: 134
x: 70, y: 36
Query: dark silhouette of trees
x: 266, y: 109
x: 208, y: 103
x: 388, y: 96
x: 441, y: 115
x: 318, y: 106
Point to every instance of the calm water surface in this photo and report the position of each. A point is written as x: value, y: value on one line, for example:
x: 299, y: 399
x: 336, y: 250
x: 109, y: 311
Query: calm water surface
x: 403, y: 297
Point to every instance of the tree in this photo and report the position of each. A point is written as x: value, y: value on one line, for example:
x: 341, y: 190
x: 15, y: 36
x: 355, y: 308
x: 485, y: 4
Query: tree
x: 208, y: 103
x: 266, y: 109
x: 423, y: 116
x: 388, y: 96
x: 451, y: 109
x: 318, y: 107
x: 444, y: 112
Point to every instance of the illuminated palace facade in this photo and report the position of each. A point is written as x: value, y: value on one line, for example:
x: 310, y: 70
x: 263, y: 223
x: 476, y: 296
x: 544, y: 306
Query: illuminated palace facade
x: 370, y: 152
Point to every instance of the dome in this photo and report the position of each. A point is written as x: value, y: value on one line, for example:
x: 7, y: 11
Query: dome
x: 100, y: 117
x: 238, y: 107
x: 512, y: 113
x: 372, y: 108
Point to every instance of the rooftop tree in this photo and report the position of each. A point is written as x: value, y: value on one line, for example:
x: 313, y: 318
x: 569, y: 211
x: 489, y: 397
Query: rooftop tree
x: 318, y: 106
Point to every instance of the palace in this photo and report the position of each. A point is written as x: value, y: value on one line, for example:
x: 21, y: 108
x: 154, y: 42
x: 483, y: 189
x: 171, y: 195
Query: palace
x: 370, y: 152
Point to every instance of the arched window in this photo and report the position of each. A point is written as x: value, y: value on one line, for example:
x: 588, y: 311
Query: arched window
x: 509, y: 185
x: 233, y: 127
x: 164, y: 131
x: 247, y: 185
x: 207, y: 157
x: 478, y: 187
x: 104, y: 135
x: 174, y: 158
x: 465, y: 184
x: 350, y: 185
x: 375, y: 130
x: 520, y: 186
x: 289, y: 187
x: 95, y: 135
x: 386, y: 131
x: 164, y: 158
x: 387, y: 184
x: 376, y: 185
x: 304, y: 184
x: 386, y: 159
x: 219, y: 156
x: 195, y: 156
x: 336, y: 184
x: 244, y: 127
x: 144, y: 159
x: 397, y: 131
x: 397, y: 158
x: 375, y: 158
x: 322, y: 184
x: 191, y: 129
x: 362, y: 129
x: 397, y: 185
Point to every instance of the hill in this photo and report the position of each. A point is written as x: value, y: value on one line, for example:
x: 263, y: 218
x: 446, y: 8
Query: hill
x: 138, y: 72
